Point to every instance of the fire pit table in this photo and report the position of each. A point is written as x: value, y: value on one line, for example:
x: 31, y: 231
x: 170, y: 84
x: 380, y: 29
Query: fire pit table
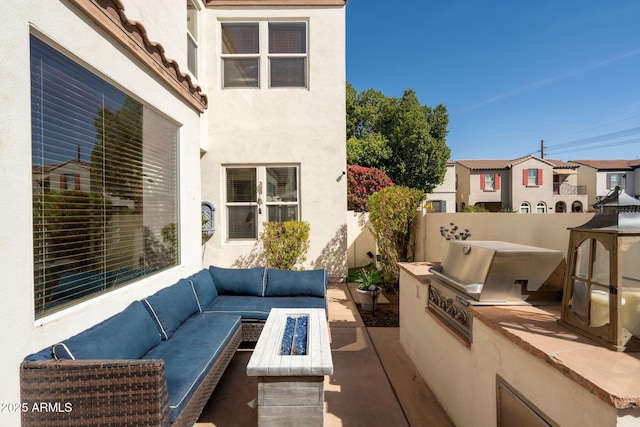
x: 290, y: 359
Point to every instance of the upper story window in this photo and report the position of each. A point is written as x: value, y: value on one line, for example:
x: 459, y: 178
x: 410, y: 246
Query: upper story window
x: 490, y: 181
x: 615, y: 179
x: 532, y: 177
x: 115, y: 219
x: 192, y: 37
x: 251, y: 48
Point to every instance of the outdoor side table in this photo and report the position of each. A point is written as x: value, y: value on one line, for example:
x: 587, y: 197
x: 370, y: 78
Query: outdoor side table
x: 291, y: 386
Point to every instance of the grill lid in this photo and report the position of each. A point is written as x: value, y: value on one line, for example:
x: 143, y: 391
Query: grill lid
x: 494, y: 271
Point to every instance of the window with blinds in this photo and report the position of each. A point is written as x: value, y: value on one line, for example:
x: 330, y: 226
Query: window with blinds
x: 287, y: 54
x: 284, y: 54
x: 105, y: 184
x: 241, y: 55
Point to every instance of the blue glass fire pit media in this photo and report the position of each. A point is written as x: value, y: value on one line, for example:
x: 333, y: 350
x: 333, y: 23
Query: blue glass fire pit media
x: 294, y: 339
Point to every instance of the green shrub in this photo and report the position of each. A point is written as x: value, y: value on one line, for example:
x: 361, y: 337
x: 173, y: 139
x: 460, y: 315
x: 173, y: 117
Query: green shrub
x: 392, y: 212
x: 285, y: 244
x: 474, y: 209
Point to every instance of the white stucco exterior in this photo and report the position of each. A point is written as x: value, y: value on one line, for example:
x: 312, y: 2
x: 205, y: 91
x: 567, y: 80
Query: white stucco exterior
x: 237, y: 128
x: 303, y: 127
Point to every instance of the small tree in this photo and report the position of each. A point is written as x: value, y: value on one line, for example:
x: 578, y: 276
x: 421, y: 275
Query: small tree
x: 285, y: 244
x: 363, y: 182
x: 392, y: 211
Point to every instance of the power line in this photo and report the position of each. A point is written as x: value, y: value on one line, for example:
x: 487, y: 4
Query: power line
x: 599, y: 138
x: 594, y: 147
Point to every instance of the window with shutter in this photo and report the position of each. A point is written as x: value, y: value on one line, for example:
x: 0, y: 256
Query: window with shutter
x: 117, y: 221
x: 532, y: 177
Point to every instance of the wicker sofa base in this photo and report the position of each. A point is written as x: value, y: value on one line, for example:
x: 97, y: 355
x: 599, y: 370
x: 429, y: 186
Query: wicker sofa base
x: 109, y: 392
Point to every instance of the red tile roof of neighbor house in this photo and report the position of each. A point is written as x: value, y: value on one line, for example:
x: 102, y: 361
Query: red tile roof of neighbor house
x: 559, y: 164
x: 609, y: 164
x: 506, y: 164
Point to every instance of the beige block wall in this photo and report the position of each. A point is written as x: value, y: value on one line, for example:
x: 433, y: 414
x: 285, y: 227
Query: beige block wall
x: 542, y: 230
x: 360, y: 239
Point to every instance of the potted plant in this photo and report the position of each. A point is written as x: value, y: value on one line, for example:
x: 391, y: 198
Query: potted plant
x: 367, y: 290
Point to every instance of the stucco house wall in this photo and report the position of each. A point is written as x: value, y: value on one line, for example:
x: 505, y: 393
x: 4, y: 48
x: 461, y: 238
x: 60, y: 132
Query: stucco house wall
x: 463, y: 189
x: 531, y: 193
x: 303, y: 127
x: 446, y: 192
x: 63, y: 27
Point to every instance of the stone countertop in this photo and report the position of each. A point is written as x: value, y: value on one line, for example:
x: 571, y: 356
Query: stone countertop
x: 610, y: 375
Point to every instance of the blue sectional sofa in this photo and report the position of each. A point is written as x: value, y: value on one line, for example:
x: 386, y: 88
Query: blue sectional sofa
x: 158, y: 361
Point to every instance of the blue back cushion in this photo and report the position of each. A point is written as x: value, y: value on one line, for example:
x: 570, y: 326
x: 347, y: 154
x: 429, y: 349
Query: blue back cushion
x: 239, y: 281
x: 204, y: 288
x: 129, y: 334
x: 284, y: 283
x: 171, y: 306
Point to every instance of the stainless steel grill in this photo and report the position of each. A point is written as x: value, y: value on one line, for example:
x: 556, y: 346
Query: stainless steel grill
x: 491, y: 273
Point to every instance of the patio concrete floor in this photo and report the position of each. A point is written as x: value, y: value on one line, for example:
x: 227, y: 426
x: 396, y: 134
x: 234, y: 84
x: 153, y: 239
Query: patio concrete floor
x: 374, y: 382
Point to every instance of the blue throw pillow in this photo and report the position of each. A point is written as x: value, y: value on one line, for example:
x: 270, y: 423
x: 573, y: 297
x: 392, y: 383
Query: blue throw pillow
x: 239, y: 281
x: 204, y: 288
x: 129, y: 334
x: 285, y: 283
x: 171, y: 306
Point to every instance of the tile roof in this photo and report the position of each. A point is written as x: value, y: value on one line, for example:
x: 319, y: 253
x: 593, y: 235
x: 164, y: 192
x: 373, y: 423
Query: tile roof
x: 608, y: 164
x: 499, y: 164
x: 485, y: 164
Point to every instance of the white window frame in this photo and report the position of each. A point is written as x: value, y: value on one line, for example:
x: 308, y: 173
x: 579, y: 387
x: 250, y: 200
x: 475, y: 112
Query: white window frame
x: 263, y: 55
x: 541, y: 207
x: 532, y: 177
x: 490, y: 182
x: 620, y: 180
x: 262, y: 201
x: 193, y: 7
x: 525, y: 207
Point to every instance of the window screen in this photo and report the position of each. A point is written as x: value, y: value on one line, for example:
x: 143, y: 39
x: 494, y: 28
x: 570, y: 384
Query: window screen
x: 104, y: 167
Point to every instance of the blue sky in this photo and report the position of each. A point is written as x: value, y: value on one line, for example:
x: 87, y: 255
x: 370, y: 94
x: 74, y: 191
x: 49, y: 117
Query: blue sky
x: 511, y: 73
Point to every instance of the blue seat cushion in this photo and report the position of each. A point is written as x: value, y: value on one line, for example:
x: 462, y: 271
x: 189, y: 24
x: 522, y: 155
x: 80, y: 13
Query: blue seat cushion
x: 239, y: 281
x: 203, y: 287
x: 258, y: 308
x: 284, y: 283
x: 190, y: 354
x: 171, y: 306
x: 127, y: 335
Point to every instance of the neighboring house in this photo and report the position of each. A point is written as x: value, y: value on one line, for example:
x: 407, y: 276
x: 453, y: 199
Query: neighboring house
x: 526, y: 185
x: 443, y: 197
x: 602, y: 176
x: 166, y: 115
x: 69, y: 175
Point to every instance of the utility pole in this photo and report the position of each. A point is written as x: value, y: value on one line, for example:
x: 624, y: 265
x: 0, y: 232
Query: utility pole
x: 542, y: 148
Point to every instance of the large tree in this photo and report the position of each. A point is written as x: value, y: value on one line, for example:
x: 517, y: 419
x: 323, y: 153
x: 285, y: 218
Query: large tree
x: 399, y: 136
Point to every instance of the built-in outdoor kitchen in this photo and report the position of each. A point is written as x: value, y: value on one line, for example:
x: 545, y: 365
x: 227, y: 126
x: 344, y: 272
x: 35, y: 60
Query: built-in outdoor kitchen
x: 514, y: 335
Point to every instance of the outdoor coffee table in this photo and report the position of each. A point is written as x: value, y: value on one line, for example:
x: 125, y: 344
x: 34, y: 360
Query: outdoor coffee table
x: 291, y: 386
